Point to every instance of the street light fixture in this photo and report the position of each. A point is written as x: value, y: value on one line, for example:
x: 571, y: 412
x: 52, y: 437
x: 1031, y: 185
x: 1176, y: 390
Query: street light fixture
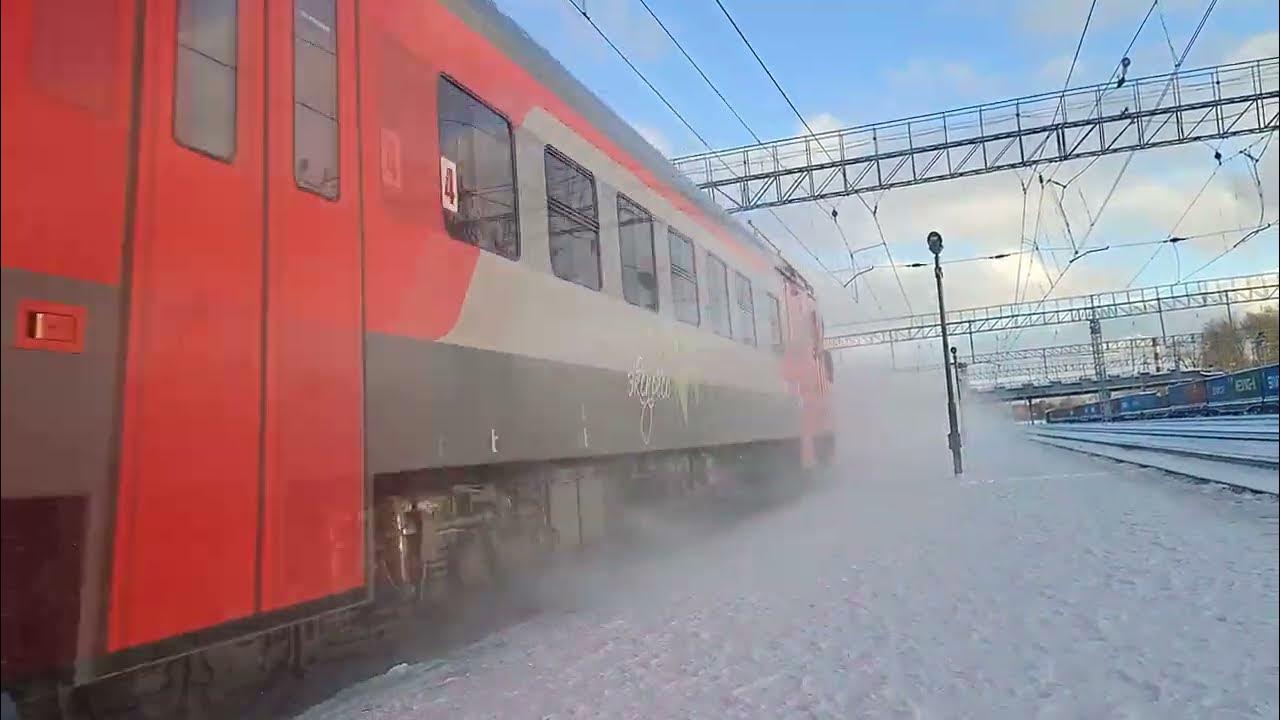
x: 953, y: 437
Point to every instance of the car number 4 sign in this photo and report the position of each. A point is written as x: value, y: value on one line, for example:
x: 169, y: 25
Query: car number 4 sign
x: 448, y: 184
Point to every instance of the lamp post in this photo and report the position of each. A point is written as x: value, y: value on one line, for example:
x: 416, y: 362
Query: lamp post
x: 958, y: 367
x: 953, y: 437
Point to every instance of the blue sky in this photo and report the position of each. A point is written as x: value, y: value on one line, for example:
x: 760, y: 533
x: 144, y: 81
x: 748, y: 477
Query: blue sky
x: 850, y: 63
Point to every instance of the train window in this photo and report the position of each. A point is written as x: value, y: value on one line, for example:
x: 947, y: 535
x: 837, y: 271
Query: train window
x: 744, y: 323
x: 573, y: 223
x: 718, y: 297
x: 478, y: 141
x: 315, y: 97
x: 684, y: 278
x: 635, y: 238
x: 204, y: 93
x: 773, y: 316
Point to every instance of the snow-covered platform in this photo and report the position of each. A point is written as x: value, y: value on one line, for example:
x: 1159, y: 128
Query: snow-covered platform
x: 1041, y: 584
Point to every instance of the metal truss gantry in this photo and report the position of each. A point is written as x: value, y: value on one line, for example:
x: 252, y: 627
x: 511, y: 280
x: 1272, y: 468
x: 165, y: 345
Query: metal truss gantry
x: 1154, y: 300
x: 1086, y: 385
x: 1161, y: 110
x: 1137, y: 354
x: 1058, y: 371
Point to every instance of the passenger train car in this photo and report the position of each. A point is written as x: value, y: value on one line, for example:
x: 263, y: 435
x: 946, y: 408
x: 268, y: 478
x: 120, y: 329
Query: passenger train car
x: 312, y: 303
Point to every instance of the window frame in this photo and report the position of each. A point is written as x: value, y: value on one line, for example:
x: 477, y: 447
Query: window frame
x: 178, y: 47
x: 653, y: 253
x: 572, y: 213
x: 337, y: 103
x: 728, y: 308
x: 775, y: 308
x: 515, y: 178
x: 738, y: 276
x: 693, y: 257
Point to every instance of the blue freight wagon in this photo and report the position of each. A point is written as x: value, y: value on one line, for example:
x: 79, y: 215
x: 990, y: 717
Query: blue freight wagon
x: 1139, y: 405
x: 1270, y: 389
x: 1246, y: 391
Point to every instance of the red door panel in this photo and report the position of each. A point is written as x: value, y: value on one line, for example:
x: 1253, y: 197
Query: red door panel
x: 186, y: 516
x: 800, y: 364
x: 66, y: 115
x: 313, y: 533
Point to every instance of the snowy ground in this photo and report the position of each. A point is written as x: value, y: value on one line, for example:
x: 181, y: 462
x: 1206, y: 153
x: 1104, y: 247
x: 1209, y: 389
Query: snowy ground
x: 1042, y: 584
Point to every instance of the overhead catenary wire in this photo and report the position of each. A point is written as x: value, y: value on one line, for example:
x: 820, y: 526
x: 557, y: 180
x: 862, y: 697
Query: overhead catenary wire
x: 1174, y: 229
x: 1076, y: 55
x: 1129, y: 158
x: 1171, y: 240
x: 623, y: 56
x: 1118, y: 72
x: 1243, y: 239
x: 1221, y: 163
x: 1088, y: 18
x: 741, y: 121
x: 1261, y: 210
x: 701, y: 73
x: 1177, y: 59
x: 1110, y: 193
x: 888, y: 253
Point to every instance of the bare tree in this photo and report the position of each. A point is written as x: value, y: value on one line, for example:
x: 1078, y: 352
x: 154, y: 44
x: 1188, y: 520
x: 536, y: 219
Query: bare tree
x: 1261, y: 331
x: 1254, y: 341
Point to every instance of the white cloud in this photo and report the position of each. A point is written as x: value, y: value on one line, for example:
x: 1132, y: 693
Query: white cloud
x: 822, y: 122
x: 1262, y: 45
x: 1053, y: 73
x: 931, y: 77
x: 655, y: 138
x: 1066, y: 17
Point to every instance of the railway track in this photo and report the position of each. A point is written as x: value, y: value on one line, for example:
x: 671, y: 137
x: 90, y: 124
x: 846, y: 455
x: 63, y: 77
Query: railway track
x: 1241, y: 451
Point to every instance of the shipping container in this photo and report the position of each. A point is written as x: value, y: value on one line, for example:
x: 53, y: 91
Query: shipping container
x: 1218, y: 390
x: 1187, y: 394
x: 1246, y: 385
x: 1270, y: 402
x: 1139, y: 403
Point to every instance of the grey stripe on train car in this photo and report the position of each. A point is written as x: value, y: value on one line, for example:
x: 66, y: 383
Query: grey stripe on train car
x: 485, y: 18
x: 433, y: 404
x: 58, y: 413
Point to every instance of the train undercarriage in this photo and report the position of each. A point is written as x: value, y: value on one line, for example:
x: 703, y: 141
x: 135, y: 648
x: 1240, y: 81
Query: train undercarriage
x: 441, y: 539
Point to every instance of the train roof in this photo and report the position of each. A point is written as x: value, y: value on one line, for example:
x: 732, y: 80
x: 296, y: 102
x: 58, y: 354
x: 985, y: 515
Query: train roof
x: 485, y: 17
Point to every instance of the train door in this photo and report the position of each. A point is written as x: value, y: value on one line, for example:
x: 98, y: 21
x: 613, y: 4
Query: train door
x: 241, y: 473
x: 313, y: 521
x: 188, y: 496
x: 800, y: 364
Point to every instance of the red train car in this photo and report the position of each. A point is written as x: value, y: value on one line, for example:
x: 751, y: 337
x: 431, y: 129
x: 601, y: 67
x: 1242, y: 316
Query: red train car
x: 288, y: 283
